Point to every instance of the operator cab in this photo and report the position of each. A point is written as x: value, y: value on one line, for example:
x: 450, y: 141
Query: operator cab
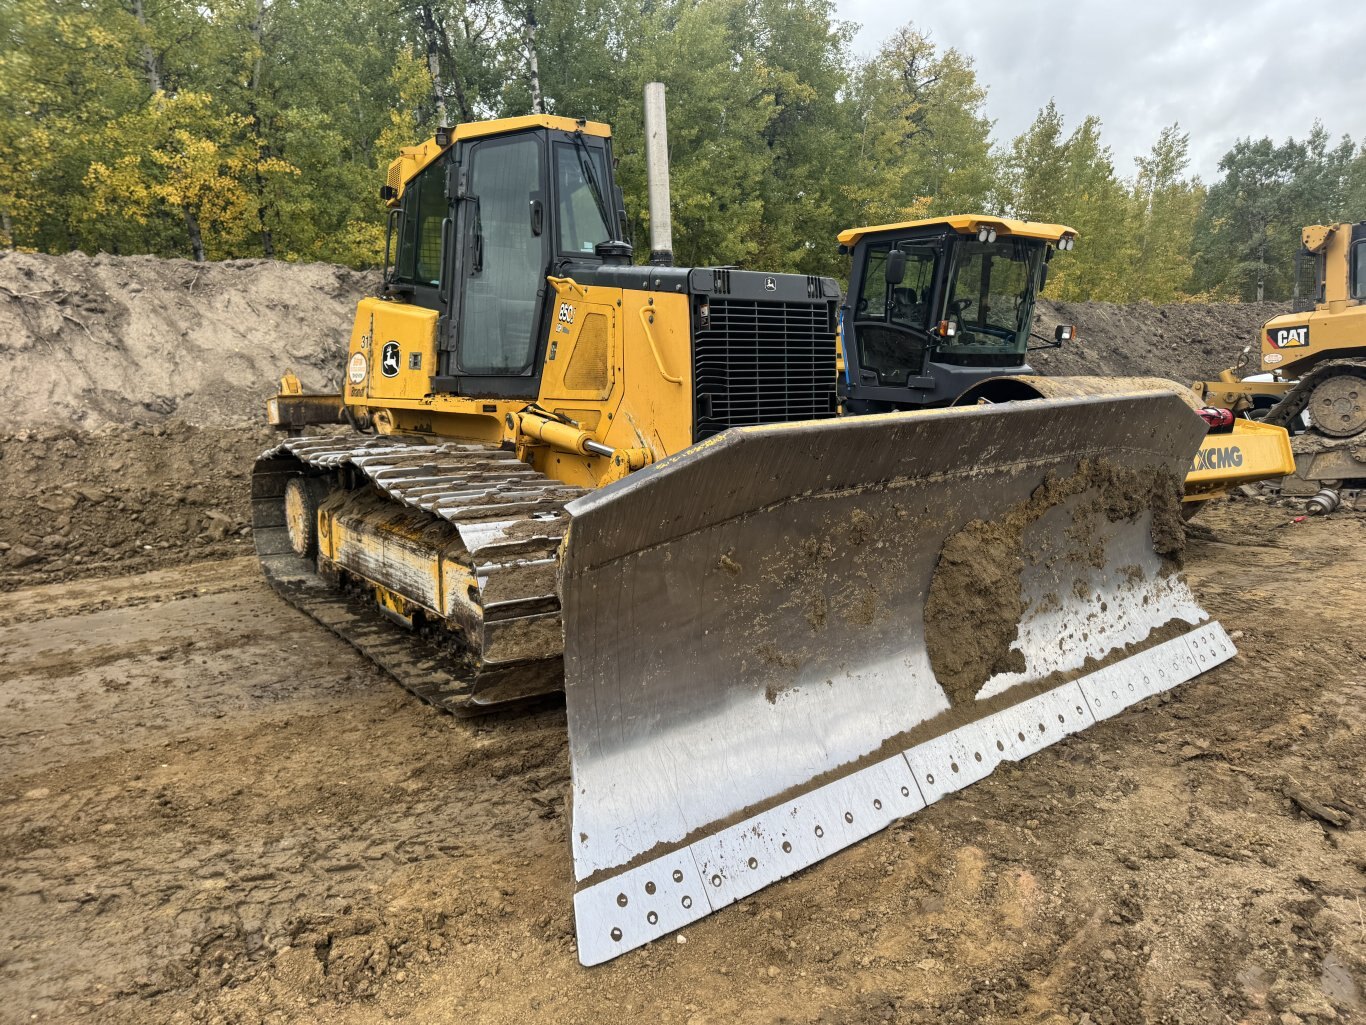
x: 937, y: 305
x: 479, y: 216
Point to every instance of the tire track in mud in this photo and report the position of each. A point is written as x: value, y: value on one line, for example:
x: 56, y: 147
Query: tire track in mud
x: 199, y: 787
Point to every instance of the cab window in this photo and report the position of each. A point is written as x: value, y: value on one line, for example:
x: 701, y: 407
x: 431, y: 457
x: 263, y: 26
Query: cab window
x: 577, y: 169
x: 1359, y: 270
x: 905, y: 304
x: 991, y: 295
x: 425, y: 209
x: 507, y: 258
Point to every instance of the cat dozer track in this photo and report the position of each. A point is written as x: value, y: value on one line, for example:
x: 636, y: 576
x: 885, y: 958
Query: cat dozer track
x: 436, y: 560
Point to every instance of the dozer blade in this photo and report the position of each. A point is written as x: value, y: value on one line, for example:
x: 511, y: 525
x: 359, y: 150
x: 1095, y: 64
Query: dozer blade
x: 786, y: 637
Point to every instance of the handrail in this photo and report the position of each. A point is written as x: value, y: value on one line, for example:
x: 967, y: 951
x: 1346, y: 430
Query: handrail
x: 647, y: 317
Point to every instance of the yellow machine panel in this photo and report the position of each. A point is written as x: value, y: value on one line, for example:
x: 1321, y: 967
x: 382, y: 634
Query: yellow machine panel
x: 1251, y: 452
x: 584, y: 354
x: 392, y: 352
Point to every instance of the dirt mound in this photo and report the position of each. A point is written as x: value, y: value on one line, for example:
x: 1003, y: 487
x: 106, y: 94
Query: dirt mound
x: 79, y: 503
x: 92, y: 341
x: 1183, y: 341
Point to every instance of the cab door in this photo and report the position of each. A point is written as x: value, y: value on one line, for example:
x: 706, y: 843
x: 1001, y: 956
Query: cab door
x: 506, y: 248
x: 891, y: 319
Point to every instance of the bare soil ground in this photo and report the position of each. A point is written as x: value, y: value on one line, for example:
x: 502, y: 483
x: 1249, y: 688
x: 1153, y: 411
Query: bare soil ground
x: 215, y: 811
x: 212, y: 810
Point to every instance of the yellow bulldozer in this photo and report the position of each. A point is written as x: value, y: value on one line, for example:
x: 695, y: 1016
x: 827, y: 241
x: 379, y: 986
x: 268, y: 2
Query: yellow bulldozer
x: 777, y: 627
x: 1313, y: 363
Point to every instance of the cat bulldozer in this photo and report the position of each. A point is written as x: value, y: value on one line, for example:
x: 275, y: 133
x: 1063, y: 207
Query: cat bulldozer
x: 940, y: 312
x: 777, y: 628
x: 1312, y: 363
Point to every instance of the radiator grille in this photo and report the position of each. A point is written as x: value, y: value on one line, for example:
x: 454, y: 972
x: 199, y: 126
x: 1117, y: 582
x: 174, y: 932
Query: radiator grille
x: 762, y: 362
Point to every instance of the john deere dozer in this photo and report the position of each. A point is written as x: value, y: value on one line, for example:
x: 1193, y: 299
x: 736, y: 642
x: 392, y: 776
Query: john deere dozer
x: 777, y: 628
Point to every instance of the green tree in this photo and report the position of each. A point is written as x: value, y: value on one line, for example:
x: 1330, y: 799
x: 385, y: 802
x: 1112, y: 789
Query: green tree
x: 1249, y: 229
x: 1166, y: 205
x: 1072, y: 181
x: 187, y: 160
x: 921, y: 142
x: 65, y: 66
x: 718, y: 112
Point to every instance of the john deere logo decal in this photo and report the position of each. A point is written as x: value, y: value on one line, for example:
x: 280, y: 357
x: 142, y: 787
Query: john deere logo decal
x: 1288, y: 337
x: 388, y: 359
x: 771, y: 284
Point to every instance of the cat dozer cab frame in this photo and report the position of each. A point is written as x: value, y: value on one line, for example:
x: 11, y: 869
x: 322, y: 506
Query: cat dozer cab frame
x: 777, y: 629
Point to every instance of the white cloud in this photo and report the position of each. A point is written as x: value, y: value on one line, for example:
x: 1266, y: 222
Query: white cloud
x: 1224, y: 69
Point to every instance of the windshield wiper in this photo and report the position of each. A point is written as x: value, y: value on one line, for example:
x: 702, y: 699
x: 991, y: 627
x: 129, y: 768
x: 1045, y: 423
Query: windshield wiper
x: 591, y: 176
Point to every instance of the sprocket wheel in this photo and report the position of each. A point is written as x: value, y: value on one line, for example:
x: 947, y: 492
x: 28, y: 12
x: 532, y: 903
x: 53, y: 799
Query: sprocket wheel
x: 1338, y: 405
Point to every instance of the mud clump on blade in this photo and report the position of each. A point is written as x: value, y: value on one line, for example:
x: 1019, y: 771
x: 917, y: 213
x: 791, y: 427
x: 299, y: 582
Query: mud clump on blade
x: 973, y: 612
x: 975, y: 602
x: 1169, y: 528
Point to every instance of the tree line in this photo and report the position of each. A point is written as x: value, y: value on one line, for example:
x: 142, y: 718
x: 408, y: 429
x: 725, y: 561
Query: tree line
x: 262, y: 128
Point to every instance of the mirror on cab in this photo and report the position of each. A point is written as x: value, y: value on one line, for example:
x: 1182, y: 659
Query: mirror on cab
x: 895, y: 267
x: 1065, y: 332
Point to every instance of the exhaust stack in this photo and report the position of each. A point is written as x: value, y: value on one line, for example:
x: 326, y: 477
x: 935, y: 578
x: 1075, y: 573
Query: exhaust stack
x: 657, y: 176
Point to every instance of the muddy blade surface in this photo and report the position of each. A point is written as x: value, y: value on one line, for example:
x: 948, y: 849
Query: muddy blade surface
x: 748, y: 682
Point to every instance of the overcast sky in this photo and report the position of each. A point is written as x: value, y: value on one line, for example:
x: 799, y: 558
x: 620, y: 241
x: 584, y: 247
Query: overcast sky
x: 1222, y: 68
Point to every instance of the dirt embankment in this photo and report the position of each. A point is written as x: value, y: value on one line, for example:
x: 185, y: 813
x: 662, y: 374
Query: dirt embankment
x: 135, y: 393
x: 1183, y: 341
x: 111, y: 341
x: 76, y: 503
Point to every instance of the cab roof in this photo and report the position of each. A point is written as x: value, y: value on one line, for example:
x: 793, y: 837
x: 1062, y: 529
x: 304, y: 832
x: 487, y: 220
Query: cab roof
x: 966, y: 224
x: 412, y: 159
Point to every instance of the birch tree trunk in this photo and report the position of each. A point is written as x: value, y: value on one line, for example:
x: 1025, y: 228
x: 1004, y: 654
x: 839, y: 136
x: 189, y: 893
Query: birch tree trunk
x: 533, y: 65
x: 258, y: 130
x: 431, y: 41
x: 151, y: 66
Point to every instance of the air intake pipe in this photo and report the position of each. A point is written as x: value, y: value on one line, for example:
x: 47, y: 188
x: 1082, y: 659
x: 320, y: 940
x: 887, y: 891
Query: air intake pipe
x: 657, y: 176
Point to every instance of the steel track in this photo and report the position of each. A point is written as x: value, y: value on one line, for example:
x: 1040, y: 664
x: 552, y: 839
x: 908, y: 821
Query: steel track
x: 506, y: 516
